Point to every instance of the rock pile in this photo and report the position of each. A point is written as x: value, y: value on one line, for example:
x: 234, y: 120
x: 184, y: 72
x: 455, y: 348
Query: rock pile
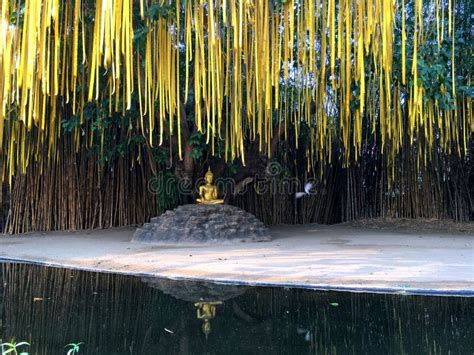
x: 203, y: 224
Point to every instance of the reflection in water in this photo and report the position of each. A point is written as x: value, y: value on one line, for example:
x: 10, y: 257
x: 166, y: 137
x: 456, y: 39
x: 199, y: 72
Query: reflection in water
x: 115, y: 314
x: 206, y: 311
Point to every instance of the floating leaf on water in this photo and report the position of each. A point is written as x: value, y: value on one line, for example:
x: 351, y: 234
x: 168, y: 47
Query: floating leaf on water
x: 39, y: 299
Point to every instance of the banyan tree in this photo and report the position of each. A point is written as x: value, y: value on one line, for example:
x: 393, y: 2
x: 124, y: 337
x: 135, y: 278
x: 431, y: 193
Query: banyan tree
x: 372, y: 99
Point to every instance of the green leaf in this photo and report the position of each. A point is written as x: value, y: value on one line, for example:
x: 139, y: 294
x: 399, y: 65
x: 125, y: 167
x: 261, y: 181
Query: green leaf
x: 22, y: 343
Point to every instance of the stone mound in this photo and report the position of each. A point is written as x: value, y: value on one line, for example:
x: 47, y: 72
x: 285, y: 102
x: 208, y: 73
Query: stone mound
x: 203, y: 224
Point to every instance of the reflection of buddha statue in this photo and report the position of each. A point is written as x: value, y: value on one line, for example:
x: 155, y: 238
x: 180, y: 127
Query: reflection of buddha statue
x: 208, y: 191
x: 206, y: 311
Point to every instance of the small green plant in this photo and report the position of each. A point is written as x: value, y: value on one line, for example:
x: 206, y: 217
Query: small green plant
x: 73, y: 348
x: 12, y: 348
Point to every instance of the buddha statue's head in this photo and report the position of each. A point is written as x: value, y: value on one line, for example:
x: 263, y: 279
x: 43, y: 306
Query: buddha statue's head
x: 209, y: 177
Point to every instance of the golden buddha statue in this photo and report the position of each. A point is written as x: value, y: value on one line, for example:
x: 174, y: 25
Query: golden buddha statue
x: 206, y: 311
x: 208, y: 191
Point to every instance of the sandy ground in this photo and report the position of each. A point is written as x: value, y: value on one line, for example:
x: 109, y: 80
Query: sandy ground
x: 349, y: 257
x: 435, y: 226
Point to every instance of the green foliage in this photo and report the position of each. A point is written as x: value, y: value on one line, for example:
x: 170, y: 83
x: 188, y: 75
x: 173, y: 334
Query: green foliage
x: 17, y: 18
x: 434, y: 68
x: 139, y: 35
x: 158, y: 10
x: 435, y: 63
x: 111, y: 135
x: 165, y: 185
x: 161, y: 156
x: 232, y: 169
x: 12, y: 347
x: 198, y: 142
x: 69, y: 125
x: 73, y: 348
x: 166, y: 189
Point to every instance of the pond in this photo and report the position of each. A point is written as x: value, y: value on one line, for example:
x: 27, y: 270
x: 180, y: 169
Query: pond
x: 117, y: 314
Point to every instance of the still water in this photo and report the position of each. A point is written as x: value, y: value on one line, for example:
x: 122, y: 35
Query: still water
x: 115, y: 314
